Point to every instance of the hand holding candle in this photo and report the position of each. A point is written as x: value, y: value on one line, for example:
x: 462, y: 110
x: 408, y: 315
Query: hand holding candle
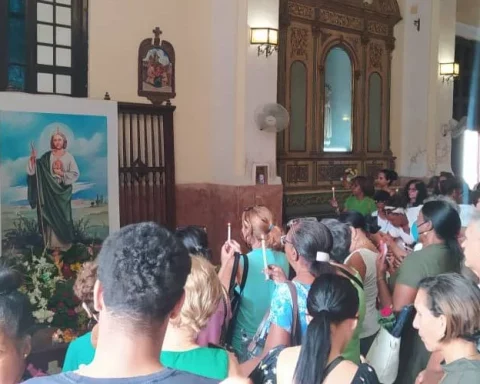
x: 264, y: 253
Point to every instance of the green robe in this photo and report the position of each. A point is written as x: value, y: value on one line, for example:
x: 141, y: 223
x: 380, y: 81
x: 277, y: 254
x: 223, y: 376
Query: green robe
x: 55, y: 208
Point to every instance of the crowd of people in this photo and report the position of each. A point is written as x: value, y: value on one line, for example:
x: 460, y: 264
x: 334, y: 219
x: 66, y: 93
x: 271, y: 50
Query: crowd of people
x: 299, y: 304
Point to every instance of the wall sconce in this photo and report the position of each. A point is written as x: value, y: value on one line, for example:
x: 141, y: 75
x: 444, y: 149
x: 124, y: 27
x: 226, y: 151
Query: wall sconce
x: 266, y: 39
x: 416, y: 23
x: 449, y: 71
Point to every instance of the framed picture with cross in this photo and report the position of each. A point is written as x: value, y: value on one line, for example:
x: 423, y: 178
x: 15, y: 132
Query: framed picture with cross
x: 156, y: 69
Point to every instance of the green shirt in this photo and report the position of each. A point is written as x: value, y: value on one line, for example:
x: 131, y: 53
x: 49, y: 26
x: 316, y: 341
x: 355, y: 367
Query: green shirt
x: 257, y: 295
x: 207, y: 362
x: 352, y: 351
x: 366, y: 206
x: 80, y: 352
x: 428, y: 262
x: 461, y: 371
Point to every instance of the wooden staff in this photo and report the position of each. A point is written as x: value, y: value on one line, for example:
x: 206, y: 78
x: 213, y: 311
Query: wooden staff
x: 39, y: 202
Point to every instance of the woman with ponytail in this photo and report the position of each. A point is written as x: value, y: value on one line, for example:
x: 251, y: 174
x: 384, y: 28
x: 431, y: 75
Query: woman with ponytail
x: 438, y: 227
x: 308, y: 245
x: 332, y: 306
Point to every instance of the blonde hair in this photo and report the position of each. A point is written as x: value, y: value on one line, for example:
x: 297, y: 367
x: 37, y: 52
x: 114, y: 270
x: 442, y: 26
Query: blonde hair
x: 259, y: 221
x: 203, y: 292
x: 458, y: 299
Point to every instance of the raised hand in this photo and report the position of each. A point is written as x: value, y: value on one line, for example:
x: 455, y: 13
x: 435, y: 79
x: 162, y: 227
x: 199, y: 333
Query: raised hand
x: 33, y: 153
x: 276, y: 273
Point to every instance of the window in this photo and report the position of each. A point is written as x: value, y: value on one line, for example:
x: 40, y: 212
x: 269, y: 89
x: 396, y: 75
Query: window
x: 46, y: 46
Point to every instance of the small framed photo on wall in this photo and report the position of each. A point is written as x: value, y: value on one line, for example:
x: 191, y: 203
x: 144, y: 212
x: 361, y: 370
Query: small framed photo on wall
x: 260, y: 172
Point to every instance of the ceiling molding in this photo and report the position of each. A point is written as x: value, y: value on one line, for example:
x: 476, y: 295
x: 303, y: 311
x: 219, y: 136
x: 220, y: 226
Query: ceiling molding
x: 467, y: 31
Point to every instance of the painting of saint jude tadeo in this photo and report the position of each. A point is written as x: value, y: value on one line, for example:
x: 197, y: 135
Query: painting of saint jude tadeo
x: 54, y: 184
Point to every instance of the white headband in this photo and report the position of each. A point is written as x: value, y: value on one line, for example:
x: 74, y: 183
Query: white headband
x: 323, y: 257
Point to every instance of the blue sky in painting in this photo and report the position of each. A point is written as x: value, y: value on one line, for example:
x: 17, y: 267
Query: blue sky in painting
x: 87, y: 142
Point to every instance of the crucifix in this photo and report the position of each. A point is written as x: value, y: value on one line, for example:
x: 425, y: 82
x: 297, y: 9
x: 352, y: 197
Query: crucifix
x: 157, y: 32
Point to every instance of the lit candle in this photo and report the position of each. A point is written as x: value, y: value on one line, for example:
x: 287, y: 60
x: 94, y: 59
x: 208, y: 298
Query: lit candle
x: 333, y: 192
x: 396, y: 191
x: 229, y: 231
x: 264, y: 252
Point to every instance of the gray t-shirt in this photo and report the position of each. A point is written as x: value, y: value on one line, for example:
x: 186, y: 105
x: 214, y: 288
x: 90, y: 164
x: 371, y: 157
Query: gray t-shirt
x: 166, y: 376
x: 461, y: 371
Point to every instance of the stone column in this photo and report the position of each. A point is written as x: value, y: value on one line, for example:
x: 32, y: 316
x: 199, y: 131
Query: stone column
x: 423, y: 102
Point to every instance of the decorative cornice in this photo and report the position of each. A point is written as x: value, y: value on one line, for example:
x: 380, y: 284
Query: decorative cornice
x: 466, y: 31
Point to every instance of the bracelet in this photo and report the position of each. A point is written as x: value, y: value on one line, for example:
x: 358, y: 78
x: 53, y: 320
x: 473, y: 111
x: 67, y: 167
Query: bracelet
x: 381, y: 278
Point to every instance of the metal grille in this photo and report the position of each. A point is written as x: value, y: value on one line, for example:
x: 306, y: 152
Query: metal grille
x: 146, y: 164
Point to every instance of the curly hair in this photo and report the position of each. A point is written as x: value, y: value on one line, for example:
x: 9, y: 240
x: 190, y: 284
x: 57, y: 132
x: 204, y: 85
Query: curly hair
x: 143, y: 269
x: 203, y: 292
x: 258, y: 221
x: 83, y: 287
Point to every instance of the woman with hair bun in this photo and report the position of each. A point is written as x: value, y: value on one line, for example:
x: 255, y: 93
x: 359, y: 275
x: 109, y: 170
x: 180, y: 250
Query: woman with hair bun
x: 16, y: 321
x: 257, y: 223
x: 385, y: 179
x: 195, y: 239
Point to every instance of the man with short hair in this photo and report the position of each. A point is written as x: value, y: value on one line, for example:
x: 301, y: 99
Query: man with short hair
x: 142, y: 269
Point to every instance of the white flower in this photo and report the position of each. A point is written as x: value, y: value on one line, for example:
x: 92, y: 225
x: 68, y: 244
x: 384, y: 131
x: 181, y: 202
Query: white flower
x: 43, y: 315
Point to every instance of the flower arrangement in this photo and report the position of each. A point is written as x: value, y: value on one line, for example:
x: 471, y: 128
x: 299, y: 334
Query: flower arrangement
x: 48, y: 282
x: 41, y: 278
x: 349, y: 174
x: 65, y: 336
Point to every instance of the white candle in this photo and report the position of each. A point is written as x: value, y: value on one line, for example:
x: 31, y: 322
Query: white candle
x: 229, y: 231
x: 333, y: 192
x: 264, y: 252
x: 396, y: 191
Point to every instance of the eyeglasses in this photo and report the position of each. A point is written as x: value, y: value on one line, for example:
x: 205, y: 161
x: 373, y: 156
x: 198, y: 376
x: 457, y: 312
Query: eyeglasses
x: 419, y: 225
x: 284, y: 240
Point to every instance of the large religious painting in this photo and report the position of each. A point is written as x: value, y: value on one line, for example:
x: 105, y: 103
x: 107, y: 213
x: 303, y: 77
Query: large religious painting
x: 58, y: 176
x: 156, y: 69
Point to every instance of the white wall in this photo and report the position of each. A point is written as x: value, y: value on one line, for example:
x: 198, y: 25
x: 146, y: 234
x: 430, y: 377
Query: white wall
x: 441, y: 93
x: 219, y: 78
x: 113, y: 67
x: 422, y: 102
x: 416, y: 71
x: 261, y: 88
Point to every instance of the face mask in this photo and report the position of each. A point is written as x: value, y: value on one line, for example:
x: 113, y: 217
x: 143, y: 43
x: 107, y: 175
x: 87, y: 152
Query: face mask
x: 414, y: 232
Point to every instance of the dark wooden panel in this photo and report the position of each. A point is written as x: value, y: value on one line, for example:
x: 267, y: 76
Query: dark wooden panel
x: 146, y: 164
